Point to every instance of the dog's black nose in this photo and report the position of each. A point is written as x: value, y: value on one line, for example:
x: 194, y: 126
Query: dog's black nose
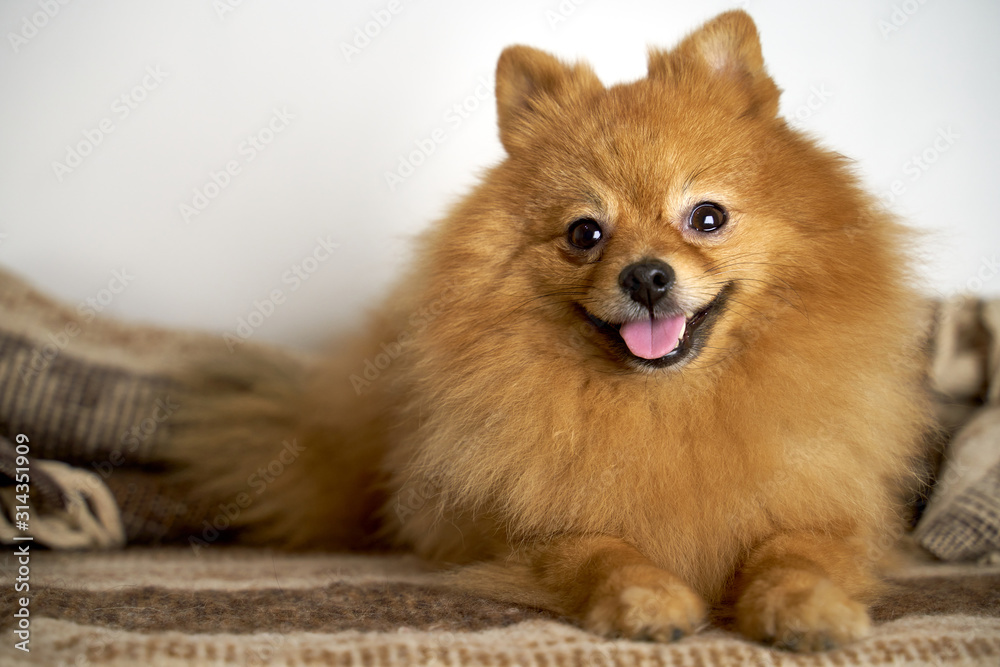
x: 646, y: 282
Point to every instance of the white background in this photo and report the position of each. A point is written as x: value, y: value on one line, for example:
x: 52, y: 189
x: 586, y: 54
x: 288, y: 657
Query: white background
x: 885, y: 80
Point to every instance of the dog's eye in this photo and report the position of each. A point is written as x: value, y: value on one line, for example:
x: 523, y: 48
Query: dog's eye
x: 707, y: 217
x: 584, y: 233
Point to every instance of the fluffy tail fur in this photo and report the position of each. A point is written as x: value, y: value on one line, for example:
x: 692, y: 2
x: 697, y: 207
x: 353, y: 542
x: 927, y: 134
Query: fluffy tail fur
x: 280, y: 472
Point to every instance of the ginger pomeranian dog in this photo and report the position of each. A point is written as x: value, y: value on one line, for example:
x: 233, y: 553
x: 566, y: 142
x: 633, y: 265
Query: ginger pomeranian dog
x: 663, y: 360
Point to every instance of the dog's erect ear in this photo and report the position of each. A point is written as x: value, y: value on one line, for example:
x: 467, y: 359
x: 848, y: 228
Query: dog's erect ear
x: 728, y: 46
x: 530, y: 83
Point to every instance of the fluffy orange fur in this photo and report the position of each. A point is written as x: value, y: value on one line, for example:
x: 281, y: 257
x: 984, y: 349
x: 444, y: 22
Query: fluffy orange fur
x: 509, y: 434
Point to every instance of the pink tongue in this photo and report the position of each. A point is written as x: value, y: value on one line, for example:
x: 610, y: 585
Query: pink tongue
x: 653, y: 338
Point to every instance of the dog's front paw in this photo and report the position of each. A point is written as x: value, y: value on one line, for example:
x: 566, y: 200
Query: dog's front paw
x: 801, y: 611
x: 644, y: 602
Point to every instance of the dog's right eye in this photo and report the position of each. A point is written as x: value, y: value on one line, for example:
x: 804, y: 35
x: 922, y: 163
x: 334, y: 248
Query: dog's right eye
x: 584, y: 233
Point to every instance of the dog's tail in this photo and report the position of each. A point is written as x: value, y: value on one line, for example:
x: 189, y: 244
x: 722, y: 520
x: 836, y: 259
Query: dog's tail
x: 285, y: 459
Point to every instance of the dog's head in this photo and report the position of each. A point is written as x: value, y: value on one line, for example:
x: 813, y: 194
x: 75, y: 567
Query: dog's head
x: 668, y: 213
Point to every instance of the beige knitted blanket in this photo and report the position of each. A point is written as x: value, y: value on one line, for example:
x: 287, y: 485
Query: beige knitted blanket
x: 228, y: 606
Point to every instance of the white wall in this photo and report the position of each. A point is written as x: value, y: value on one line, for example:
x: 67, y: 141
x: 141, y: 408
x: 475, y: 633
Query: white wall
x: 886, y: 80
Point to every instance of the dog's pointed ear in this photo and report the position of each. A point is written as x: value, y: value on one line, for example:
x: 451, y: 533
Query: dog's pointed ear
x: 531, y: 83
x: 728, y: 47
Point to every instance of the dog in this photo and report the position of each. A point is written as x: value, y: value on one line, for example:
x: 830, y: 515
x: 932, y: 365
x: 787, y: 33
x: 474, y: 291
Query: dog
x: 662, y: 363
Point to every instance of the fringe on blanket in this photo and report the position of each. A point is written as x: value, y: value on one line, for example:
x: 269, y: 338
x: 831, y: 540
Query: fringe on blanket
x: 95, y: 401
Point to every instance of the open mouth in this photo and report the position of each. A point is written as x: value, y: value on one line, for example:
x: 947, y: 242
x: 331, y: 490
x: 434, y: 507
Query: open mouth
x: 659, y: 342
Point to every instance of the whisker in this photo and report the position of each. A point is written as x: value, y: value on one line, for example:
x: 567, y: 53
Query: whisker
x: 567, y: 293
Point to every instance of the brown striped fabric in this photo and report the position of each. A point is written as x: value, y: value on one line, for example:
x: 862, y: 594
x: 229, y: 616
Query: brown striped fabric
x: 962, y: 519
x: 969, y: 527
x: 76, y: 411
x: 101, y: 395
x: 231, y: 606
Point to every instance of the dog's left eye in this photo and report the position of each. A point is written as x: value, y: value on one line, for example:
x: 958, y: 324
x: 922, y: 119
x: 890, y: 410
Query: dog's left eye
x: 584, y: 233
x: 707, y: 217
